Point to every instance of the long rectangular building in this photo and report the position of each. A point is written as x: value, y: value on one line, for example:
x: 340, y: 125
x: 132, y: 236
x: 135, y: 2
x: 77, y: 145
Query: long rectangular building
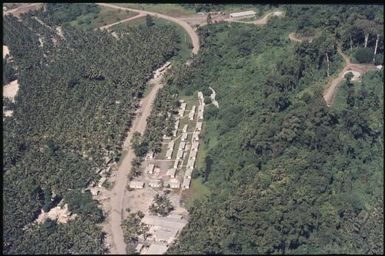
x: 241, y: 15
x: 186, y: 183
x: 192, y: 113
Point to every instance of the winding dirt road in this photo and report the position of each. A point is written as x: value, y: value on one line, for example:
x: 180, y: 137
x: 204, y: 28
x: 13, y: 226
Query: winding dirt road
x: 299, y: 39
x: 116, y: 202
x: 331, y: 90
x: 193, y: 35
x: 139, y: 124
x: 23, y: 9
x: 122, y: 21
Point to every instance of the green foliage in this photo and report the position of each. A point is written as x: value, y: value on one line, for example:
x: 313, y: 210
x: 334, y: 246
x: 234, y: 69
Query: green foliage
x: 84, y: 98
x: 379, y: 60
x: 83, y: 204
x: 211, y: 112
x: 139, y: 146
x: 289, y: 175
x: 59, y: 13
x: 9, y: 73
x: 132, y: 228
x: 364, y: 55
x: 161, y: 205
x: 149, y: 21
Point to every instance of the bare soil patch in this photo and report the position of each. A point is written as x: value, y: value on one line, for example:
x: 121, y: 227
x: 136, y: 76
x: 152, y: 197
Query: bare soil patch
x: 10, y: 90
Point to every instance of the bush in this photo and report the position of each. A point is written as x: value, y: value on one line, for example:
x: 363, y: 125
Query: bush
x: 207, y: 100
x: 364, y: 55
x: 210, y: 112
x: 206, y: 91
x: 161, y: 205
x: 379, y: 60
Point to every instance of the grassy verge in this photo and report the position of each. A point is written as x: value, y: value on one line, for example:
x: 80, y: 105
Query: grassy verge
x: 184, y: 45
x: 167, y: 9
x: 104, y: 17
x: 197, y: 191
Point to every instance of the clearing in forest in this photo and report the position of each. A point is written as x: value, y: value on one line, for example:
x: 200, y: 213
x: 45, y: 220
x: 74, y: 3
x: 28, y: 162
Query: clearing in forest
x: 357, y: 69
x: 10, y: 90
x: 5, y: 51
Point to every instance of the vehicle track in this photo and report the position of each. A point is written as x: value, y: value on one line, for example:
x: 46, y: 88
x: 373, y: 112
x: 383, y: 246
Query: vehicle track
x: 139, y: 124
x: 331, y: 90
x: 193, y: 35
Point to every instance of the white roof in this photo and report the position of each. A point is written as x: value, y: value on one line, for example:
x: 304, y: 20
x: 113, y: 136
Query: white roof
x: 171, y: 172
x: 186, y: 182
x: 154, y: 182
x: 156, y: 249
x: 245, y: 13
x: 176, y: 163
x: 171, y: 145
x: 139, y: 247
x: 136, y: 183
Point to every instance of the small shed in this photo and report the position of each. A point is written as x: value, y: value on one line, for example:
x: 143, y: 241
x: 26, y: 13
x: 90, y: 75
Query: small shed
x: 185, y: 128
x: 136, y: 184
x: 174, y: 183
x: 179, y: 155
x: 188, y: 173
x: 196, y: 136
x: 150, y: 169
x: 101, y: 181
x: 182, y: 145
x: 192, y: 113
x: 176, y: 163
x: 155, y: 183
x: 139, y: 247
x: 171, y: 172
x: 186, y: 183
x: 199, y: 126
x: 169, y: 154
x: 171, y: 145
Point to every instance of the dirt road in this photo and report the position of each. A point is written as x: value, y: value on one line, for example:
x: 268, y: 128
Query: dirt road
x: 122, y: 21
x: 331, y: 90
x: 23, y: 9
x: 193, y: 35
x: 117, y: 205
x: 118, y: 192
x: 295, y: 38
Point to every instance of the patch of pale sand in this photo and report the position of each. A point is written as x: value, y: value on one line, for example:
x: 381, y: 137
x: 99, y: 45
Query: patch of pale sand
x: 356, y: 75
x: 10, y: 90
x: 62, y: 215
x: 59, y: 31
x: 41, y: 42
x: 8, y: 112
x: 5, y: 51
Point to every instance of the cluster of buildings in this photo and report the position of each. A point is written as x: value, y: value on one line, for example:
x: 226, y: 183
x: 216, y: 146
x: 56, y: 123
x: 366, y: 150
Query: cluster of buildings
x: 185, y: 155
x: 163, y: 231
x: 194, y: 143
